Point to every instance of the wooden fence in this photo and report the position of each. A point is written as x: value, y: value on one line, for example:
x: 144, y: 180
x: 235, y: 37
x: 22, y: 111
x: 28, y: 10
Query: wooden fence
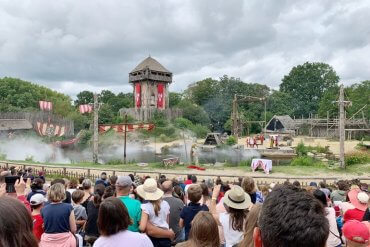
x: 94, y: 173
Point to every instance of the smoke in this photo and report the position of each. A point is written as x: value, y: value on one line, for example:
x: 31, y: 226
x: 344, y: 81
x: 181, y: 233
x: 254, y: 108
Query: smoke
x: 31, y: 149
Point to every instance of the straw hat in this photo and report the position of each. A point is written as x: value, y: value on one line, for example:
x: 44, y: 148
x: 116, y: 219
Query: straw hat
x: 149, y: 190
x: 358, y: 199
x: 237, y: 198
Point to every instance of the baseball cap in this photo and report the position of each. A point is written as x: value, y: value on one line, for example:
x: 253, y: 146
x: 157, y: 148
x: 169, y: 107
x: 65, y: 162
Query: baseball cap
x: 124, y: 181
x: 356, y: 231
x: 37, y: 199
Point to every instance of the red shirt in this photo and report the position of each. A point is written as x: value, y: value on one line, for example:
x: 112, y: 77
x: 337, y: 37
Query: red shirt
x: 353, y: 214
x: 188, y: 182
x: 38, y: 228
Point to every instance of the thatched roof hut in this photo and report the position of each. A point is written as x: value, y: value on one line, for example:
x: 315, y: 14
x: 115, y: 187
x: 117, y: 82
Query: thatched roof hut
x: 281, y: 124
x: 15, y: 124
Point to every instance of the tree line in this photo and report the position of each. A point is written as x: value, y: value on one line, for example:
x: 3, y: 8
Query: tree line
x: 308, y: 89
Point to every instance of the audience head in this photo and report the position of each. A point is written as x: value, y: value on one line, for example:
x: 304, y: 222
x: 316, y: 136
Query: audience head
x: 356, y: 233
x: 37, y: 201
x: 204, y: 230
x: 86, y: 184
x: 248, y: 185
x: 320, y: 195
x: 17, y: 229
x: 123, y: 185
x: 313, y: 184
x: 113, y: 180
x: 77, y: 196
x: 205, y: 191
x: 113, y: 217
x: 236, y: 203
x: 98, y: 194
x: 167, y: 187
x: 73, y: 183
x: 194, y: 193
x: 109, y: 192
x: 80, y: 180
x: 342, y: 185
x: 297, y: 184
x: 193, y: 179
x: 103, y: 176
x: 57, y: 193
x: 58, y: 180
x: 291, y: 217
x: 322, y: 184
x: 37, y: 184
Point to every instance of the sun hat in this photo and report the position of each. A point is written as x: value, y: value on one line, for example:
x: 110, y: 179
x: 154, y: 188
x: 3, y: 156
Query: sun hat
x: 356, y: 231
x: 124, y: 181
x: 237, y: 198
x: 149, y: 190
x: 358, y: 199
x: 37, y: 199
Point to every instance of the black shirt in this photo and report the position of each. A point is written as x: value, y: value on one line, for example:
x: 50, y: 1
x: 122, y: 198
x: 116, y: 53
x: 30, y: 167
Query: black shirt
x: 92, y: 219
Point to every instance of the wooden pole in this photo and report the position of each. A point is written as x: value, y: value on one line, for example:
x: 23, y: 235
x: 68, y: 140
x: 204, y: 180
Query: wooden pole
x: 234, y: 119
x: 341, y: 127
x: 265, y: 117
x: 125, y: 141
x: 96, y: 129
x: 327, y: 124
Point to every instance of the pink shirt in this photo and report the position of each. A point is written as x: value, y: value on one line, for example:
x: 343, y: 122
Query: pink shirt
x: 123, y: 239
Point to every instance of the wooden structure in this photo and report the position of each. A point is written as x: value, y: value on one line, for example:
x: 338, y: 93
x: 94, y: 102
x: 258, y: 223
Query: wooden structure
x: 213, y: 139
x: 150, y: 82
x: 21, y: 119
x: 281, y: 125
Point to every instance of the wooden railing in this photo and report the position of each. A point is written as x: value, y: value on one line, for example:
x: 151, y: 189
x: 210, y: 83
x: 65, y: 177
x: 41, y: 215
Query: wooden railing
x: 94, y: 173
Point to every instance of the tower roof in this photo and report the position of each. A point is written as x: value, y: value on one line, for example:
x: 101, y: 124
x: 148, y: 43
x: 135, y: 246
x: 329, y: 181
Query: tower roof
x: 152, y: 64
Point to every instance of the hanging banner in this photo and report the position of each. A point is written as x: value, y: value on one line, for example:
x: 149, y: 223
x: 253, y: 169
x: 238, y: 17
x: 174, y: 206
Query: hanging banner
x: 46, y: 105
x: 47, y: 129
x: 138, y: 95
x: 120, y: 128
x: 160, y: 100
x: 86, y: 109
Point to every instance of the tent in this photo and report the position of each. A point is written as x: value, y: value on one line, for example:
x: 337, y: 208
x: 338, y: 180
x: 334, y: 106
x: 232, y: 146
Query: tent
x: 213, y: 139
x: 281, y: 124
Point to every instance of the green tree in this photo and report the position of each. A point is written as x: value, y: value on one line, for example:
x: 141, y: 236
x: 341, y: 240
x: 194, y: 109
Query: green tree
x: 193, y: 112
x: 306, y: 84
x: 279, y: 103
x: 84, y: 97
x: 105, y: 96
x: 175, y: 99
x: 359, y: 95
x: 106, y: 114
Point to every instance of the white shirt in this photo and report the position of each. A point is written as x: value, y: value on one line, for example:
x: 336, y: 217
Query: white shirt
x: 332, y: 241
x: 123, y: 239
x: 232, y: 237
x: 161, y: 219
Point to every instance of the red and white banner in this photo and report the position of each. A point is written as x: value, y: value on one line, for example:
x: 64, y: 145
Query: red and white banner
x: 138, y: 95
x: 46, y: 105
x: 86, y: 109
x: 160, y: 100
x: 47, y: 129
x: 120, y: 128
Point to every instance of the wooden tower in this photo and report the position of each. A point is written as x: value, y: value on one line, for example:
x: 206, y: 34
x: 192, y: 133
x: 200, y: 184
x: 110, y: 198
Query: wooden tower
x: 151, y: 82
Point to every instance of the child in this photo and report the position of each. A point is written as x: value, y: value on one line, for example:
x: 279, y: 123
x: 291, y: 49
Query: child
x: 189, y: 212
x: 155, y: 210
x: 37, y: 202
x: 79, y: 210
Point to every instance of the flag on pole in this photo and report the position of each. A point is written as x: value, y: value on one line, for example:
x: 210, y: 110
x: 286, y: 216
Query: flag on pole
x: 160, y: 101
x: 86, y: 109
x: 46, y: 105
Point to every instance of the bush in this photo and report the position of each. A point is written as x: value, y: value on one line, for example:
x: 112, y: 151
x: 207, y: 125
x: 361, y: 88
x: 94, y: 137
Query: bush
x: 357, y: 158
x: 301, y: 149
x: 304, y: 161
x: 183, y: 123
x: 200, y: 131
x: 231, y: 140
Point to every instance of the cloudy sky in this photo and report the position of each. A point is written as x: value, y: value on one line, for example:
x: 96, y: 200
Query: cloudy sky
x: 71, y: 45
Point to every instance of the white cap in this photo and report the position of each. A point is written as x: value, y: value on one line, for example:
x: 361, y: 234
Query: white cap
x: 37, y: 199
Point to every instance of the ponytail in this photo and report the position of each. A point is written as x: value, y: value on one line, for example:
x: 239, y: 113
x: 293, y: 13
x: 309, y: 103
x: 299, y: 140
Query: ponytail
x: 157, y: 206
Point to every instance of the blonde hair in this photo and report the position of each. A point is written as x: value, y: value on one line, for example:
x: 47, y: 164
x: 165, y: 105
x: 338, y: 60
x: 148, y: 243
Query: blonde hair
x: 157, y: 206
x: 57, y: 193
x: 250, y: 224
x: 204, y: 231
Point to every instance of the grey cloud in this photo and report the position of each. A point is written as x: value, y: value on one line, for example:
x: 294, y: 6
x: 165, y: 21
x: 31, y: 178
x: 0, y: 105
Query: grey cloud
x: 69, y: 44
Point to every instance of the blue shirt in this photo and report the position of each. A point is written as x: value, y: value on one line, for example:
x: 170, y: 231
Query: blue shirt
x: 56, y: 217
x: 188, y: 213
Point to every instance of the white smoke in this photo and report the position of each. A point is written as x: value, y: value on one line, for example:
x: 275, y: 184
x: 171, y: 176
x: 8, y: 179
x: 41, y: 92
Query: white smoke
x: 32, y: 149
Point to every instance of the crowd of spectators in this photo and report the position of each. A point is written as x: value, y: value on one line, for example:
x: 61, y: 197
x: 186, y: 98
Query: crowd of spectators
x: 143, y: 211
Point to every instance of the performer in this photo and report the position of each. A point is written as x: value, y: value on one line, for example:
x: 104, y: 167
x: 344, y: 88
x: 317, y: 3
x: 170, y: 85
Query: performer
x: 271, y: 141
x: 247, y: 141
x: 262, y: 138
x: 194, y: 154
